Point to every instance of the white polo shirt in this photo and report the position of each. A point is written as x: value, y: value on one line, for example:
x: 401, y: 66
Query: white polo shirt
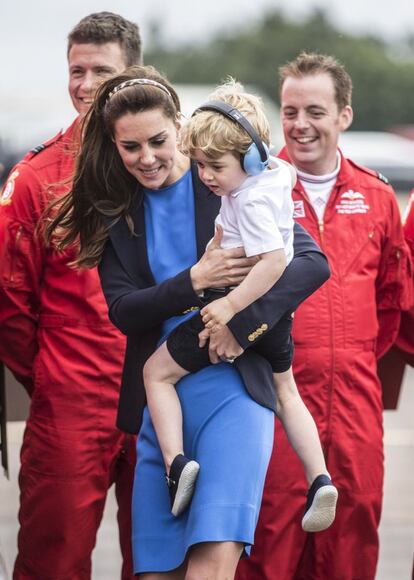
x: 259, y: 215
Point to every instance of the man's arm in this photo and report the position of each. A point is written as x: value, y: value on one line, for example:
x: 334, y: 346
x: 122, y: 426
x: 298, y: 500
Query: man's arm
x: 21, y: 258
x: 405, y: 340
x: 391, y: 365
x: 394, y: 289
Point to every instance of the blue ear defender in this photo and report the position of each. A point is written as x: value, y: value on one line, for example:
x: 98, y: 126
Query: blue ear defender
x: 251, y: 161
x: 256, y: 158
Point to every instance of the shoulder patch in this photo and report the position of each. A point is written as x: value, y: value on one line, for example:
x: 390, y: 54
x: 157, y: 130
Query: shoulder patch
x: 382, y: 177
x: 38, y: 149
x: 8, y: 189
x: 372, y: 172
x: 46, y: 144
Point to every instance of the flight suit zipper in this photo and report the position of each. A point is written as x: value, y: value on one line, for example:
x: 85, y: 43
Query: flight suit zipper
x: 321, y: 230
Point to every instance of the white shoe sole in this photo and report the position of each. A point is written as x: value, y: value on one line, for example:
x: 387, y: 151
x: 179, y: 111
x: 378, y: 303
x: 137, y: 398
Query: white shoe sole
x: 321, y: 514
x: 185, y: 487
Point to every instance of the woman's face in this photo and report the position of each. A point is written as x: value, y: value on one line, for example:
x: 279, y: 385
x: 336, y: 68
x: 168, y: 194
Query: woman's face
x: 146, y: 142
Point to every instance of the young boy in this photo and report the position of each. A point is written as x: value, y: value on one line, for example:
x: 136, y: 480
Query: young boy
x: 228, y: 138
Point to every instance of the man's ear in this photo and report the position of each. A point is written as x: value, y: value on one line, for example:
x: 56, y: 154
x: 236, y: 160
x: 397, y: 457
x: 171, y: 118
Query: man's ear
x: 346, y: 117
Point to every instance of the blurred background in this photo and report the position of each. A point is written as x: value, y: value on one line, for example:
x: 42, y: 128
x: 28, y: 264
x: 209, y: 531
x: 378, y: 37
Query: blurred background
x: 197, y: 44
x: 200, y: 43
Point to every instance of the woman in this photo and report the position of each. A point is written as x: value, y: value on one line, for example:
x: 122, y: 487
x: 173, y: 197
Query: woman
x: 141, y: 212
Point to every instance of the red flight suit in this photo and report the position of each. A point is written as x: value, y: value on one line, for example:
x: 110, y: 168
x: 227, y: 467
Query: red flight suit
x: 405, y: 339
x: 56, y: 338
x: 338, y: 332
x: 392, y: 366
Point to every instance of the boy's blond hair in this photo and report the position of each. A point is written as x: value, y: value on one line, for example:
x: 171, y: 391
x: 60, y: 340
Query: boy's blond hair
x: 214, y: 134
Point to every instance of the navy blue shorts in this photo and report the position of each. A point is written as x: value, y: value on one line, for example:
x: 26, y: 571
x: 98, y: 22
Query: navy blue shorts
x: 276, y: 345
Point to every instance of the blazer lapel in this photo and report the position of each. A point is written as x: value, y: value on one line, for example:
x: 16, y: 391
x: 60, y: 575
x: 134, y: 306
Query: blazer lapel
x: 132, y: 250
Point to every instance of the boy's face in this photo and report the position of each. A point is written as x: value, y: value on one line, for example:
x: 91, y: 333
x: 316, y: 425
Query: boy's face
x: 222, y: 175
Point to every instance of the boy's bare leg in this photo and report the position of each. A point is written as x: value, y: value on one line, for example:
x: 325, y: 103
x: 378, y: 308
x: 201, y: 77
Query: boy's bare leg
x: 303, y: 436
x: 161, y: 374
x: 299, y: 425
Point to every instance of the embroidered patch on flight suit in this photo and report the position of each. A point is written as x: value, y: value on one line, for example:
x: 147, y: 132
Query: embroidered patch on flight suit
x: 298, y: 209
x: 352, y: 202
x: 383, y: 178
x: 8, y: 189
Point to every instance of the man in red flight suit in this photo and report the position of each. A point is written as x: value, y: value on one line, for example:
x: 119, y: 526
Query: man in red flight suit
x: 56, y: 338
x: 339, y: 332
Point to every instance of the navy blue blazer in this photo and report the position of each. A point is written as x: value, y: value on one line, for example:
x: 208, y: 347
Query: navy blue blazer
x: 138, y: 306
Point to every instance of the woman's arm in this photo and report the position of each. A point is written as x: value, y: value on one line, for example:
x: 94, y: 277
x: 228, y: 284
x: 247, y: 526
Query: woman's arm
x: 135, y: 309
x: 219, y: 268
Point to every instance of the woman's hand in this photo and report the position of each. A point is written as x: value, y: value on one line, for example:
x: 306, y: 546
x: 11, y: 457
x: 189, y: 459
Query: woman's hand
x: 222, y: 345
x: 218, y: 268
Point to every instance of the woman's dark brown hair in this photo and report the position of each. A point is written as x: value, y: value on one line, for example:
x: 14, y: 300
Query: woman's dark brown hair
x: 103, y: 191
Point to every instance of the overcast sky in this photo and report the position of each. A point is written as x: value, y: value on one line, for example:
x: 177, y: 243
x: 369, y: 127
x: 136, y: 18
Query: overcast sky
x: 33, y: 33
x: 33, y: 38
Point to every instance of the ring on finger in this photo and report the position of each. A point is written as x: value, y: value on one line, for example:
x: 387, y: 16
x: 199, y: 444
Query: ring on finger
x: 228, y: 359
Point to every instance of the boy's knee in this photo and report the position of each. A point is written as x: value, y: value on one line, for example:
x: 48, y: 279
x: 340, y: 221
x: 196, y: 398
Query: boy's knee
x: 150, y: 368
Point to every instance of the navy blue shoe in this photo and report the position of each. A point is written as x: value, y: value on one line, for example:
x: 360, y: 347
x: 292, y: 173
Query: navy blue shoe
x: 320, y: 505
x: 181, y: 482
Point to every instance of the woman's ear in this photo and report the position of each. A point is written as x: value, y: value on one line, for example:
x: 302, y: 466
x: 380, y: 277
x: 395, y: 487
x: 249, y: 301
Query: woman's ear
x: 180, y: 121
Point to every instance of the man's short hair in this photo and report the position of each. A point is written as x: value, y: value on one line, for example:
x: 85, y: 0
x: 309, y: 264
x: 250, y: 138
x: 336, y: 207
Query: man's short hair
x: 312, y: 63
x: 103, y: 27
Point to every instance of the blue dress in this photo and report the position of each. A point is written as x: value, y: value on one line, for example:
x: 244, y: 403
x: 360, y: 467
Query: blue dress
x: 229, y: 434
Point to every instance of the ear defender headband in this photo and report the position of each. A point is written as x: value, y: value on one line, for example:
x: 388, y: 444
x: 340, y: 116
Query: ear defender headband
x: 256, y: 158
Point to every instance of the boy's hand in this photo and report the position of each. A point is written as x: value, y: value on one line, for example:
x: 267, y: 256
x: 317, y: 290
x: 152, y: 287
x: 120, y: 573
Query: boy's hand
x: 217, y: 314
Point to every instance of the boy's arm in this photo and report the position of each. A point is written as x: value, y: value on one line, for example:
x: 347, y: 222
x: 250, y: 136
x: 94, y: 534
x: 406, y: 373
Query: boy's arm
x: 305, y: 273
x: 264, y: 274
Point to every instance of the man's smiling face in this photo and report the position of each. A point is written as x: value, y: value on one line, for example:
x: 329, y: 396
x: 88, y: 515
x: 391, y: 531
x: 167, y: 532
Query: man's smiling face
x: 312, y: 122
x: 90, y: 65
